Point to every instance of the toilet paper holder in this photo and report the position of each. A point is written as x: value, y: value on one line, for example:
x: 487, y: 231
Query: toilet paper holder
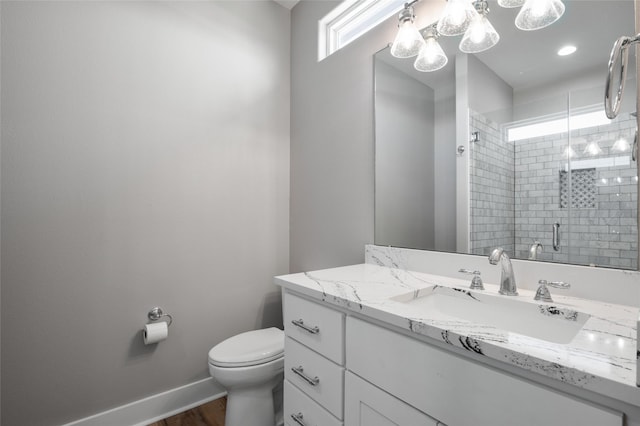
x: 157, y: 313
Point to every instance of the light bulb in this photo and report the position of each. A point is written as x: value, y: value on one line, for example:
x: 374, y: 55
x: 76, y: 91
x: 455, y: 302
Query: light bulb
x: 593, y: 148
x: 480, y: 35
x: 456, y: 17
x: 431, y: 57
x: 568, y: 152
x: 536, y: 14
x: 621, y: 145
x: 408, y: 41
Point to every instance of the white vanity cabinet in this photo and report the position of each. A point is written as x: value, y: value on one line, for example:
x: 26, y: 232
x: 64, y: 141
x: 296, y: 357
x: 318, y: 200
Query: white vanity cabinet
x: 458, y: 391
x: 367, y: 405
x: 369, y: 375
x: 314, y: 363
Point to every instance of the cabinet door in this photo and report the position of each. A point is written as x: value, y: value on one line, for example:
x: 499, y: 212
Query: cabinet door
x: 367, y: 405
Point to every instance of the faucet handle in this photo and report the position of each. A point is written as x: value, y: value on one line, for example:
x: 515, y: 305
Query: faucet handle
x: 557, y: 284
x: 476, y: 282
x: 543, y: 292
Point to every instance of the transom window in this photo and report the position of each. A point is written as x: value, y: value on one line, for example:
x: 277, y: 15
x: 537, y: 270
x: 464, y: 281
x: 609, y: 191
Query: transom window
x: 350, y: 20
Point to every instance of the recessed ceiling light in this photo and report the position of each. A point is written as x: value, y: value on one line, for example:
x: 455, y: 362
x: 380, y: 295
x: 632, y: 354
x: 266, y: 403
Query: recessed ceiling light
x: 566, y: 50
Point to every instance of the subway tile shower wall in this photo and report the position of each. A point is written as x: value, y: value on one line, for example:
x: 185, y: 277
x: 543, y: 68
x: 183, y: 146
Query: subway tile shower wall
x: 492, y: 179
x: 600, y: 231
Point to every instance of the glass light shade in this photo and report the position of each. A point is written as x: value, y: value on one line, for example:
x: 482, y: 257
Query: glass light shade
x: 568, y: 152
x: 408, y: 41
x: 593, y: 148
x: 510, y: 3
x: 456, y: 17
x: 431, y: 57
x: 621, y: 145
x: 480, y: 36
x: 536, y: 14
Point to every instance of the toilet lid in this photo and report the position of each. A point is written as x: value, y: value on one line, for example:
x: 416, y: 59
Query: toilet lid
x: 250, y: 348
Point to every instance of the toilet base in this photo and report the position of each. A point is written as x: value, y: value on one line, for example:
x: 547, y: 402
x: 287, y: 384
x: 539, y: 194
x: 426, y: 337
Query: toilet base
x: 250, y: 407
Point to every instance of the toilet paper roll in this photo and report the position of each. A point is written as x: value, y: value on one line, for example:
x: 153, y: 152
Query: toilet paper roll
x: 154, y: 333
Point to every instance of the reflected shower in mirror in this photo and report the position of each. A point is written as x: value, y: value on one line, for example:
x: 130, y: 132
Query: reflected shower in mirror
x: 549, y: 174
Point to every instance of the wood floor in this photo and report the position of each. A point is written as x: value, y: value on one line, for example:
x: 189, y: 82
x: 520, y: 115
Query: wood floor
x: 209, y: 414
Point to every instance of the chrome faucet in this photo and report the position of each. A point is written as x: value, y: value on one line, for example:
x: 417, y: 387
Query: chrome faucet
x: 535, y: 250
x: 507, y: 279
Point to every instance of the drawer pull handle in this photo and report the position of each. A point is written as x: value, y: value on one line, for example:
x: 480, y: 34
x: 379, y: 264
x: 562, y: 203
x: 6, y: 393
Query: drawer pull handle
x: 300, y: 372
x: 298, y: 418
x: 302, y: 325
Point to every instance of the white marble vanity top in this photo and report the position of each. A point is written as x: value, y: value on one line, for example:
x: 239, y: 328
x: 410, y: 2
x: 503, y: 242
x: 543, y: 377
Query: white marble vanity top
x: 601, y: 357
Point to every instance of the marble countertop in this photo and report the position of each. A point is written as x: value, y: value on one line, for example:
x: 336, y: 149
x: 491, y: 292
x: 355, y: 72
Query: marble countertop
x: 601, y: 357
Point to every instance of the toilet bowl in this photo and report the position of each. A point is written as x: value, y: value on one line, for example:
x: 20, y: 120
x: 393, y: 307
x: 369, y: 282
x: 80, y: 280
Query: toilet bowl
x: 251, y: 367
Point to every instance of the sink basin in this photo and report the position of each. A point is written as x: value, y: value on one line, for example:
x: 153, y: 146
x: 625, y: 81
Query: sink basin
x: 542, y: 321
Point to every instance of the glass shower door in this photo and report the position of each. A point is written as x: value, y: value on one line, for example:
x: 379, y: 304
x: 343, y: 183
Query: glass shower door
x: 553, y: 180
x: 540, y: 134
x: 600, y: 192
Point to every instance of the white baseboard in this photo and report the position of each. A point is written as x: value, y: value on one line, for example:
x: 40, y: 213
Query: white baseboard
x: 157, y: 407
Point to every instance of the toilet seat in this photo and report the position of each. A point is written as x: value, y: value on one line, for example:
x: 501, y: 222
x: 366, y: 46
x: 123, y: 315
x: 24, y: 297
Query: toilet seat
x: 250, y: 348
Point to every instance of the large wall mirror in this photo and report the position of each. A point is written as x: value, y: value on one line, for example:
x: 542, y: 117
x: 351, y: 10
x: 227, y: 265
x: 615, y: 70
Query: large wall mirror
x: 541, y: 171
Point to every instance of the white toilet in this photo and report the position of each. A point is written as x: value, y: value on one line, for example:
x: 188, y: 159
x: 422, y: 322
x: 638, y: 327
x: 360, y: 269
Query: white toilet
x: 251, y: 367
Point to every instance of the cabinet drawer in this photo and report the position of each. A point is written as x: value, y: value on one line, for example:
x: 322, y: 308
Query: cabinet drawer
x: 298, y: 404
x: 316, y: 326
x: 440, y: 383
x: 327, y: 378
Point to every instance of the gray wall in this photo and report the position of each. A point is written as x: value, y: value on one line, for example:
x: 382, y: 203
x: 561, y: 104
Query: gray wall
x: 489, y: 95
x: 404, y: 166
x: 332, y: 148
x: 145, y: 160
x: 445, y: 169
x: 585, y: 90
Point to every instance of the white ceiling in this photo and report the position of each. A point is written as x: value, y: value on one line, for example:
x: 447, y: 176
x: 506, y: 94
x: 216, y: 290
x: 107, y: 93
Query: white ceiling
x: 287, y: 3
x: 527, y: 59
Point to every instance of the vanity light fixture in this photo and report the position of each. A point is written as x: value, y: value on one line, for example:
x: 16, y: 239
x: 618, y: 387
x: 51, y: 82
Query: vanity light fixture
x: 408, y: 41
x: 431, y: 57
x: 456, y: 17
x: 510, y: 3
x: 567, y: 50
x: 468, y: 18
x: 480, y: 35
x: 537, y: 14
